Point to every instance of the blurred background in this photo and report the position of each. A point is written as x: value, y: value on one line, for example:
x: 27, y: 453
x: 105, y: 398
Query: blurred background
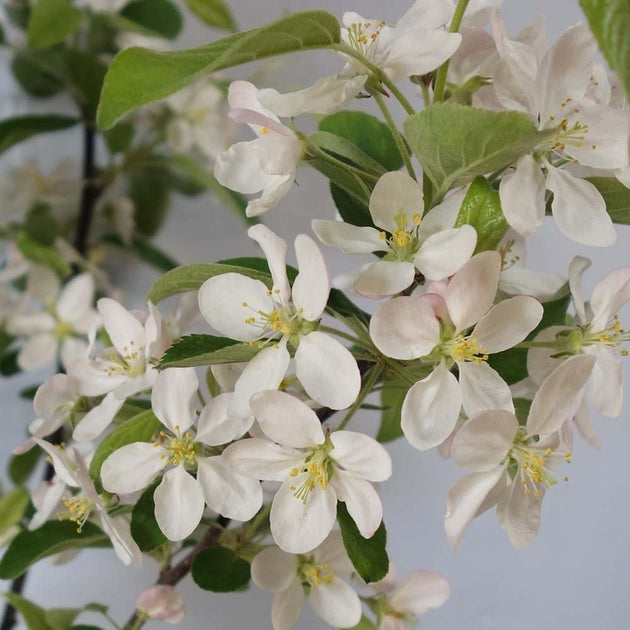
x: 575, y: 574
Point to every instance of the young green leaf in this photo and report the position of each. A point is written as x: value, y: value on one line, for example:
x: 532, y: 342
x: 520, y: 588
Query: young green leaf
x: 349, y: 182
x: 368, y: 555
x: 144, y: 528
x: 33, y: 616
x: 40, y: 73
x: 21, y: 467
x: 61, y: 618
x: 85, y: 73
x: 351, y: 209
x: 119, y: 137
x: 220, y: 570
x: 20, y: 128
x: 150, y: 192
x: 12, y: 507
x: 161, y: 17
x: 43, y: 255
x: 616, y: 196
x: 137, y: 76
x: 454, y: 144
x: 346, y: 150
x: 194, y: 350
x: 51, y: 22
x: 214, y: 13
x: 392, y: 400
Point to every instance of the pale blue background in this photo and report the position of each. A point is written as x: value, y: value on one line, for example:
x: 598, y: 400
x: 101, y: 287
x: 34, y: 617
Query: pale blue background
x: 575, y: 575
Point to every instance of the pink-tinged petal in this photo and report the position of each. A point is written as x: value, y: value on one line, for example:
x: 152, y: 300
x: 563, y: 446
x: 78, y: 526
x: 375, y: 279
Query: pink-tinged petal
x: 431, y: 409
x: 540, y: 361
x: 419, y: 592
x: 396, y: 194
x: 24, y: 324
x: 444, y: 253
x: 161, y: 602
x: 226, y: 492
x: 609, y: 295
x: 584, y: 424
x: 464, y: 499
x: 351, y: 239
x: 125, y: 331
x: 125, y: 547
x: 37, y: 351
x: 287, y: 606
x: 296, y: 526
x: 287, y: 420
x: 260, y: 123
x: 216, y: 426
x: 265, y: 371
x: 384, y: 278
x: 483, y: 443
x: 336, y: 603
x: 274, y: 570
x: 275, y: 250
x: 245, y: 95
x: 361, y: 455
x: 312, y: 285
x: 262, y: 459
x: 604, y: 391
x: 241, y: 167
x: 327, y: 370
x: 391, y: 623
x: 519, y: 514
x: 471, y: 292
x: 132, y: 467
x: 483, y: 388
x: 522, y: 195
x: 508, y: 323
x: 361, y: 499
x: 173, y: 398
x: 579, y: 209
x: 98, y: 419
x: 227, y: 302
x: 578, y: 266
x: 179, y: 504
x: 558, y: 396
x: 405, y: 328
x: 75, y: 300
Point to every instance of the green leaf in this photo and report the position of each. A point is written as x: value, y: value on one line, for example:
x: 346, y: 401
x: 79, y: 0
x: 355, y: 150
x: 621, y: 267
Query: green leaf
x: 43, y: 255
x: 119, y: 137
x: 392, y: 400
x: 220, y: 570
x: 194, y: 350
x: 137, y: 76
x: 454, y: 144
x: 364, y: 624
x: 84, y: 627
x: 150, y: 193
x: 368, y: 555
x: 40, y: 73
x: 8, y: 363
x: 351, y: 209
x: 144, y: 528
x: 51, y: 22
x: 21, y: 467
x: 146, y: 251
x: 610, y: 22
x: 481, y: 208
x: 61, y: 618
x: 85, y: 74
x: 20, y: 128
x: 349, y: 182
x: 28, y: 547
x: 40, y: 225
x: 34, y: 617
x: 214, y: 13
x: 368, y: 133
x: 616, y: 196
x: 12, y: 507
x: 18, y: 12
x: 139, y: 429
x: 161, y: 17
x: 346, y: 150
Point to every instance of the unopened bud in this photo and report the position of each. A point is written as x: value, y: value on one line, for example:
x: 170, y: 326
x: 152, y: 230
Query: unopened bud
x: 161, y: 602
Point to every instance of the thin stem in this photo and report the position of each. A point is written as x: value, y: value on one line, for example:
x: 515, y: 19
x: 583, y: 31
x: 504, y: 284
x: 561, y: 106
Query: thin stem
x: 346, y: 336
x: 440, y: 78
x: 538, y: 344
x: 89, y: 194
x: 370, y: 381
x: 315, y: 150
x: 400, y: 143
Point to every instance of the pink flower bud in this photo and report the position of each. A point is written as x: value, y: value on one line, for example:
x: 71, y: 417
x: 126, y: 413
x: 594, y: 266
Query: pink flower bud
x: 161, y: 602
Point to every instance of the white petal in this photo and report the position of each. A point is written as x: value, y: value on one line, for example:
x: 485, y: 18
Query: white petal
x: 431, y: 408
x: 274, y: 570
x: 578, y: 266
x: 299, y: 527
x: 420, y: 592
x: 396, y: 194
x: 125, y: 547
x: 483, y: 388
x: 508, y: 323
x: 125, y: 331
x: 275, y: 250
x: 226, y: 492
x: 132, y: 467
x: 584, y: 423
x: 327, y: 370
x: 312, y: 285
x: 24, y: 324
x: 287, y: 606
x: 277, y: 187
x: 519, y: 515
x: 217, y: 427
x: 262, y: 459
x: 541, y: 362
x: 361, y: 455
x: 556, y: 398
x: 484, y: 441
x: 351, y: 239
x: 604, y: 390
x: 609, y: 295
x: 361, y: 499
x: 179, y: 504
x: 385, y: 277
x: 464, y: 499
x: 336, y: 603
x: 542, y: 285
x: 405, y: 328
x: 241, y: 168
x: 173, y: 398
x: 62, y: 467
x: 523, y: 196
x: 98, y: 419
x: 444, y: 253
x: 37, y: 351
x: 75, y: 300
x: 228, y: 300
x: 579, y: 209
x: 54, y: 395
x: 471, y: 292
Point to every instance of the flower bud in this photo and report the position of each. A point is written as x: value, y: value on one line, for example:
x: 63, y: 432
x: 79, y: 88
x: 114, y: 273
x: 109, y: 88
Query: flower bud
x: 161, y: 602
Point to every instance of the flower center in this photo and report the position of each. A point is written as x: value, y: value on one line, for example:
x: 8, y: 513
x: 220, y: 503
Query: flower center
x: 464, y: 348
x: 316, y: 471
x: 63, y: 330
x: 181, y: 449
x: 568, y: 134
x: 78, y: 510
x: 363, y: 36
x: 315, y: 574
x: 612, y: 336
x: 403, y: 242
x: 131, y: 363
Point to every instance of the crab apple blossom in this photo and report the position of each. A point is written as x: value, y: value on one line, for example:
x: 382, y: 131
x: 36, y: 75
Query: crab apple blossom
x: 175, y: 454
x: 316, y: 468
x: 436, y: 328
x: 322, y: 575
x: 161, y: 602
x: 410, y: 241
x: 245, y: 309
x: 511, y: 465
